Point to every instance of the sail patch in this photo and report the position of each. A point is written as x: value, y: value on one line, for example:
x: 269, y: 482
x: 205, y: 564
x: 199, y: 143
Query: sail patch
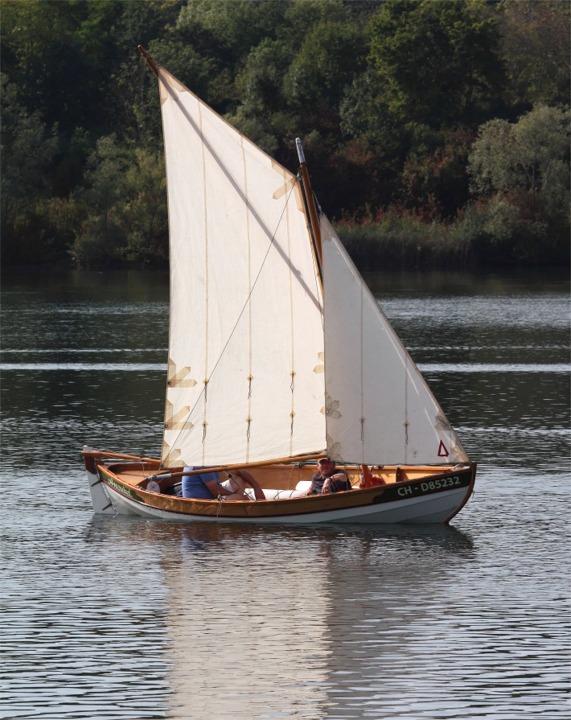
x: 179, y: 378
x: 179, y: 420
x: 331, y: 408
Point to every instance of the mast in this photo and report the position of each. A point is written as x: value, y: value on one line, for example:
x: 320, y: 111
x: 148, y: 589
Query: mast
x: 310, y: 204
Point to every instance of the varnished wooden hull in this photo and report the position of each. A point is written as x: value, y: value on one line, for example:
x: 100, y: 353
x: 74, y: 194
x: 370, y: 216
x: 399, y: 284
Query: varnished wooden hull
x: 411, y: 495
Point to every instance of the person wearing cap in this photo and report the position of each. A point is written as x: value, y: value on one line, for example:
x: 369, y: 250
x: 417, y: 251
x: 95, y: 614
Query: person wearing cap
x: 327, y: 479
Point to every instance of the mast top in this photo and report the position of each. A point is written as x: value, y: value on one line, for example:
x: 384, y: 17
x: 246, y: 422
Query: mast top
x: 310, y: 204
x: 150, y: 62
x: 300, y: 153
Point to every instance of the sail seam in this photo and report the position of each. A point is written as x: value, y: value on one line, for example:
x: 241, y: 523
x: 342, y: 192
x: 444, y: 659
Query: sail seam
x: 362, y: 369
x: 248, y: 234
x: 292, y: 338
x: 206, y: 280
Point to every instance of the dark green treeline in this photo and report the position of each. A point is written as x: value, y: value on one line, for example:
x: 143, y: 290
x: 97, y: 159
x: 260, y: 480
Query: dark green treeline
x: 436, y: 131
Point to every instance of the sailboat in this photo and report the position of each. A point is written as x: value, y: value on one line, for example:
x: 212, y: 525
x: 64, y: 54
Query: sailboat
x: 279, y: 355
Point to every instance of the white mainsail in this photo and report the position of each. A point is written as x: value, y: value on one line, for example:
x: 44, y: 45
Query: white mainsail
x: 251, y: 325
x: 245, y: 378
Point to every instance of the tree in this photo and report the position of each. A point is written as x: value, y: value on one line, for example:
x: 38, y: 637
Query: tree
x: 522, y: 172
x: 124, y: 201
x: 387, y: 95
x: 331, y: 55
x: 532, y: 154
x: 42, y: 53
x: 536, y: 50
x: 28, y: 149
x: 433, y: 180
x: 234, y: 26
x: 438, y: 62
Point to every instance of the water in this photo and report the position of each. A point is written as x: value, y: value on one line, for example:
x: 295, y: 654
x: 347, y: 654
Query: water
x: 128, y: 619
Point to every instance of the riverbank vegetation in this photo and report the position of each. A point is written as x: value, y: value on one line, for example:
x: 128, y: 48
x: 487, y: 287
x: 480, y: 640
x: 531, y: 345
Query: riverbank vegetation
x: 437, y: 133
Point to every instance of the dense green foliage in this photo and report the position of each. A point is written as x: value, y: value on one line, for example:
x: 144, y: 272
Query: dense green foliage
x: 437, y: 131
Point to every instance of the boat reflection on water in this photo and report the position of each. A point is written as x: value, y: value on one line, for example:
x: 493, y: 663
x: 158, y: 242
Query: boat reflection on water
x: 250, y: 622
x: 293, y: 619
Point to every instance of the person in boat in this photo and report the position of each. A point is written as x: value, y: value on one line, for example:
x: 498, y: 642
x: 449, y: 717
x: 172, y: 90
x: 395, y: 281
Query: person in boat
x: 328, y: 479
x: 208, y: 486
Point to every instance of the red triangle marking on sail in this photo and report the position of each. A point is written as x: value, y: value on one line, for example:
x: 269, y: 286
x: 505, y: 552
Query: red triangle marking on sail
x: 442, y: 450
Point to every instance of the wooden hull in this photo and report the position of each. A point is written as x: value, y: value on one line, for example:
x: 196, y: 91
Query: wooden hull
x: 411, y: 495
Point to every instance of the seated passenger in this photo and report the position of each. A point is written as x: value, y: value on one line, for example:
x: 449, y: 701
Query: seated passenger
x: 327, y: 479
x: 208, y: 486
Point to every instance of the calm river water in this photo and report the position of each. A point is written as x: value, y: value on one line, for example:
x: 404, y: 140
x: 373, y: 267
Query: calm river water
x: 131, y: 619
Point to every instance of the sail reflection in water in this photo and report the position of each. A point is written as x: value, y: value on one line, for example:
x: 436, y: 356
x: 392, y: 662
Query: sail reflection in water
x: 267, y: 642
x: 313, y: 617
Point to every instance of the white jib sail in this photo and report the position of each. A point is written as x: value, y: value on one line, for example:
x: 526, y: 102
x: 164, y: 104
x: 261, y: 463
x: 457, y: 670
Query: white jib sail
x: 245, y: 377
x: 379, y: 408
